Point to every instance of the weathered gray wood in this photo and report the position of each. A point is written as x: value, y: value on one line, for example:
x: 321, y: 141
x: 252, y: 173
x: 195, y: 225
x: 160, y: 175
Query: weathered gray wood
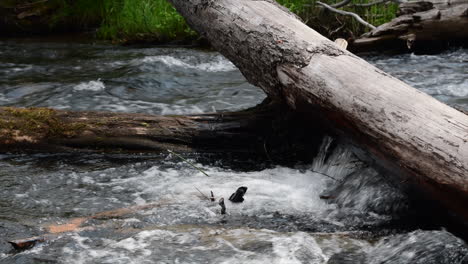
x: 406, y: 129
x: 422, y: 26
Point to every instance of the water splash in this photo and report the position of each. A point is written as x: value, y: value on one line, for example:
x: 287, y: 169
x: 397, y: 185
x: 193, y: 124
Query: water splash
x: 217, y: 64
x: 94, y: 86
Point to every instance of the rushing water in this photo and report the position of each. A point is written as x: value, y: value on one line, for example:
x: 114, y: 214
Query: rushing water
x: 444, y: 76
x: 366, y: 218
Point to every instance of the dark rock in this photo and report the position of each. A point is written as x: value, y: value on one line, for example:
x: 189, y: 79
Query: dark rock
x: 238, y: 196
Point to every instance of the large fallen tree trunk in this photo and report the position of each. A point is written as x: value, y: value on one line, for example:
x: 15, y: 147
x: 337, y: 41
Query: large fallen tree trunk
x: 422, y: 26
x: 407, y: 130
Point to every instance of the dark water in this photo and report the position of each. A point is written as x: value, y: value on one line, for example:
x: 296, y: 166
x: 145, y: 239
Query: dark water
x: 283, y: 219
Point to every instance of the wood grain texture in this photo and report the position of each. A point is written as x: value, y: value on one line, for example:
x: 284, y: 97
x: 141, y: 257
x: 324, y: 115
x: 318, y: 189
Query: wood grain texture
x: 422, y: 26
x: 406, y: 129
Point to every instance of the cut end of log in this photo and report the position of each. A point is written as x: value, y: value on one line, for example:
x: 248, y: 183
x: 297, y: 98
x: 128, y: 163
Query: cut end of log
x: 342, y: 43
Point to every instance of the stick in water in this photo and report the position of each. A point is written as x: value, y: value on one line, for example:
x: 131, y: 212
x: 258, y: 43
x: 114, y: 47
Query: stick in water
x: 190, y: 163
x: 204, y: 195
x: 212, y: 197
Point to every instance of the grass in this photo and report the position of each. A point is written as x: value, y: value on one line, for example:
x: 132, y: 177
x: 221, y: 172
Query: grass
x: 327, y: 22
x: 117, y: 20
x: 141, y: 19
x: 124, y: 21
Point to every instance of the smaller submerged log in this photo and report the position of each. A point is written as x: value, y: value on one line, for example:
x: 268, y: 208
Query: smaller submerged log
x: 44, y: 129
x: 76, y: 225
x: 421, y: 26
x: 268, y: 131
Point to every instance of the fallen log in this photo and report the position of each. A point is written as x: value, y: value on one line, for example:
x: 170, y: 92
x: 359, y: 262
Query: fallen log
x: 267, y: 131
x: 421, y: 26
x: 407, y: 131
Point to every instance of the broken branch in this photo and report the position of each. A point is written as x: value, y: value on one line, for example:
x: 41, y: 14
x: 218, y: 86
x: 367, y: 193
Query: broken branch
x: 346, y: 13
x: 372, y: 3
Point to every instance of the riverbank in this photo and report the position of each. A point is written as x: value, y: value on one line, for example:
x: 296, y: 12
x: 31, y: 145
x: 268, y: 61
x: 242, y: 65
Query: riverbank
x: 124, y: 21
x: 155, y: 21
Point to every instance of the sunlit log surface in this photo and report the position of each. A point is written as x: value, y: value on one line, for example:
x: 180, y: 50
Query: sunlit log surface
x: 407, y: 131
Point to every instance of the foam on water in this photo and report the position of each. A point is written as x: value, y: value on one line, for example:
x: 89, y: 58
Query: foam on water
x: 217, y: 64
x: 95, y: 86
x: 3, y: 99
x: 187, y: 244
x: 274, y: 224
x: 419, y: 247
x: 443, y: 76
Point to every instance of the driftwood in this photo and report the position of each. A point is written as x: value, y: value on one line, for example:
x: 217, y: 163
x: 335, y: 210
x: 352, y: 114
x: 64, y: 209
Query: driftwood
x: 407, y: 131
x: 422, y: 26
x: 76, y: 225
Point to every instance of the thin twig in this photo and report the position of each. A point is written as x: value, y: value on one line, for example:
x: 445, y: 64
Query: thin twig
x: 346, y: 13
x: 336, y: 30
x: 372, y: 3
x: 326, y: 175
x: 341, y: 4
x: 31, y: 4
x: 190, y: 163
x: 266, y: 151
x: 203, y: 194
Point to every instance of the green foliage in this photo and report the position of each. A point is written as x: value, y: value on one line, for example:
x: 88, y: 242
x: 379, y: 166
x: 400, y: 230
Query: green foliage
x: 140, y: 19
x: 327, y: 22
x: 296, y: 6
x: 158, y: 21
x: 122, y: 20
x: 376, y: 15
x: 303, y: 8
x: 80, y: 14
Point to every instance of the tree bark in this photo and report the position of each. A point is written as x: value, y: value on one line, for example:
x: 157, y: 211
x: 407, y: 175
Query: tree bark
x: 422, y: 26
x: 406, y: 130
x: 267, y: 131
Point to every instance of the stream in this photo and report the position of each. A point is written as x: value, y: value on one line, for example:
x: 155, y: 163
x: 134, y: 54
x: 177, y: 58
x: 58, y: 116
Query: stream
x: 369, y: 220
